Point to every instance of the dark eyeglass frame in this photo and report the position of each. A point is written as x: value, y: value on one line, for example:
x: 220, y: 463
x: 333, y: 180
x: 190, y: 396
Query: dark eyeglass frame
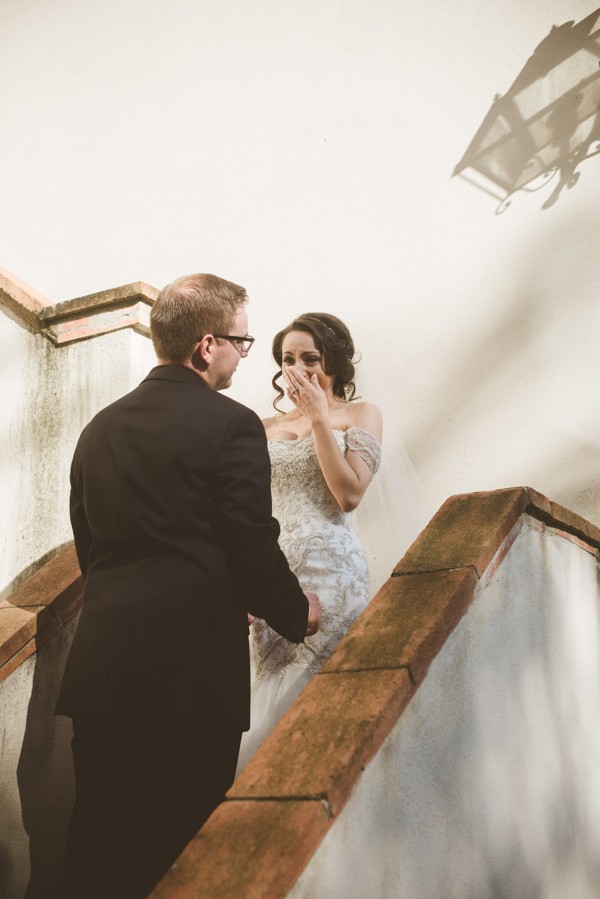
x: 243, y: 344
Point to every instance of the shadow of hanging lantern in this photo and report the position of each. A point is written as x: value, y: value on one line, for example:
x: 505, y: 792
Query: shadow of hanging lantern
x: 547, y: 123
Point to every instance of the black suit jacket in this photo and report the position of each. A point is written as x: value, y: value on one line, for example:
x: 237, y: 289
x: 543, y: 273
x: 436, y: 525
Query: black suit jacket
x: 171, y: 513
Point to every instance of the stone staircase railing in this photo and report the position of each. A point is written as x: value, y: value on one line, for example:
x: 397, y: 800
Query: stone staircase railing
x: 312, y: 813
x: 80, y: 318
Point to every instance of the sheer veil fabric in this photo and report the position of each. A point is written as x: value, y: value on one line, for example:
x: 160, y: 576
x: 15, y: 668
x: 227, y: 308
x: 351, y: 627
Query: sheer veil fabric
x: 394, y: 509
x: 392, y: 512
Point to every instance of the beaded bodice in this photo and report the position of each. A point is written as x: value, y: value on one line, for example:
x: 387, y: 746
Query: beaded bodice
x: 321, y: 547
x: 297, y: 483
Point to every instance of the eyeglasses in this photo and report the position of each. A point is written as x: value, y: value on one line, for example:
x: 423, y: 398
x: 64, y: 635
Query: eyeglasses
x: 243, y: 344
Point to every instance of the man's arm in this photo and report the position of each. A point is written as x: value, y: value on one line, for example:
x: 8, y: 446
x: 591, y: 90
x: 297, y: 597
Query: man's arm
x: 248, y: 532
x: 79, y: 522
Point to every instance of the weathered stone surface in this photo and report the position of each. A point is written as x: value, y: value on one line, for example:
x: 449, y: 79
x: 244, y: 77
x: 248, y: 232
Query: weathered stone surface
x: 99, y: 313
x: 20, y: 299
x: 247, y: 850
x: 17, y: 627
x: 466, y: 531
x: 407, y: 623
x: 17, y: 659
x: 558, y: 516
x: 82, y: 317
x: 42, y: 587
x: 37, y: 608
x: 355, y: 712
x: 113, y: 297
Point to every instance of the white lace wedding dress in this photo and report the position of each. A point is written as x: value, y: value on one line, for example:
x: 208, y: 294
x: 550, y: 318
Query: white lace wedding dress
x: 324, y: 551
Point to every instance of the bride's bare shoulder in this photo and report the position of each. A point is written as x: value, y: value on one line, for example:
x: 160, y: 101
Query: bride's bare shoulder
x: 361, y: 406
x: 366, y: 416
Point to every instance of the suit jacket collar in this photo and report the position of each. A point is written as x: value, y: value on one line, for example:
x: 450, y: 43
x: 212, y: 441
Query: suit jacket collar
x: 175, y: 373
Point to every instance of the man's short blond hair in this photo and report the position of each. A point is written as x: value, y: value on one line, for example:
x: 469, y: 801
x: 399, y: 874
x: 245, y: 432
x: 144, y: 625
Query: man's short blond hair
x: 188, y: 309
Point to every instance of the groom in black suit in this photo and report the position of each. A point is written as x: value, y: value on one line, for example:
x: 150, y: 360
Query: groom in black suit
x: 171, y: 513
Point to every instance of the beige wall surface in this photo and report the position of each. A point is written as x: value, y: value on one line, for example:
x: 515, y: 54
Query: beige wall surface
x: 306, y: 150
x: 47, y: 395
x: 488, y: 785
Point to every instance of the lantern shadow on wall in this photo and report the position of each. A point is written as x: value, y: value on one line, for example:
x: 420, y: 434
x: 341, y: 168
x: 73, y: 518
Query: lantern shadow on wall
x: 547, y: 123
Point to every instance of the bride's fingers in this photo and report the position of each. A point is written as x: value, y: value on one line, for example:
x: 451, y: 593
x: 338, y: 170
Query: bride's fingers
x: 292, y: 392
x: 291, y: 375
x: 294, y: 384
x: 297, y: 379
x: 289, y: 382
x: 302, y: 389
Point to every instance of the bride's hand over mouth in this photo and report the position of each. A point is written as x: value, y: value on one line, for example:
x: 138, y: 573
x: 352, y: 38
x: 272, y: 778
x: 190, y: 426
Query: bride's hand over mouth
x: 307, y: 395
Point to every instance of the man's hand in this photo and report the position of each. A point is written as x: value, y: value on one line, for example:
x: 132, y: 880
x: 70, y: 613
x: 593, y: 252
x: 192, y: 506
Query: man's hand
x: 314, y: 613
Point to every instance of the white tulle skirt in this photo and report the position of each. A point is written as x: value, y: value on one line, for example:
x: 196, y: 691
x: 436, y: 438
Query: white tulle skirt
x: 271, y: 697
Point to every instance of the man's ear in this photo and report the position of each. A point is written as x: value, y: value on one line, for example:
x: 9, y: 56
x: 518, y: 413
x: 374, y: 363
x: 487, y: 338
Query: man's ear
x: 202, y: 353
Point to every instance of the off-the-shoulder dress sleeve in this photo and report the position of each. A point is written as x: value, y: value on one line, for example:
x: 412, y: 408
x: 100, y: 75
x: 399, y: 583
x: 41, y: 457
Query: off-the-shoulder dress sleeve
x: 367, y: 447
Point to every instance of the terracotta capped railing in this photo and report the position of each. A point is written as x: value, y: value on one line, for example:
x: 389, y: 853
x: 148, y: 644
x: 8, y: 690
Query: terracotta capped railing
x: 80, y: 318
x: 38, y: 608
x: 277, y: 813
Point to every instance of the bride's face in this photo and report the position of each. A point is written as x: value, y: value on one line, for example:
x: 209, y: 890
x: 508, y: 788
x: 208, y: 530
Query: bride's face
x: 298, y: 349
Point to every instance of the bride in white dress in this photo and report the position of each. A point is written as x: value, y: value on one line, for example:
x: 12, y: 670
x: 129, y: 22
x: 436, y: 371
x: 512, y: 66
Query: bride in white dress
x: 324, y: 454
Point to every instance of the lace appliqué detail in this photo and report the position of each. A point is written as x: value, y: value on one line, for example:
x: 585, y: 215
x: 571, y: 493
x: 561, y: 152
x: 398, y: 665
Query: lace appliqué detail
x: 367, y: 447
x: 321, y: 547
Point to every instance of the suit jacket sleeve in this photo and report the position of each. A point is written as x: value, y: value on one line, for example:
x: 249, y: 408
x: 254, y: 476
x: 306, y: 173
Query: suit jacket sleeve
x: 79, y: 522
x: 248, y: 532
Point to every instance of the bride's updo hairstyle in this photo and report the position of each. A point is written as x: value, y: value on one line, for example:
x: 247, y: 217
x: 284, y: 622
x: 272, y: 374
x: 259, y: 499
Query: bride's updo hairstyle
x: 334, y: 342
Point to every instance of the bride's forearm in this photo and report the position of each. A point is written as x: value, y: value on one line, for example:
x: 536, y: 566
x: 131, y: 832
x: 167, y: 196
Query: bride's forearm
x: 346, y: 485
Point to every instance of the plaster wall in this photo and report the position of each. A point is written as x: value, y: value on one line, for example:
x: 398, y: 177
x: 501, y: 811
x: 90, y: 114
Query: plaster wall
x: 36, y: 776
x: 488, y: 786
x: 305, y: 150
x: 47, y: 395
